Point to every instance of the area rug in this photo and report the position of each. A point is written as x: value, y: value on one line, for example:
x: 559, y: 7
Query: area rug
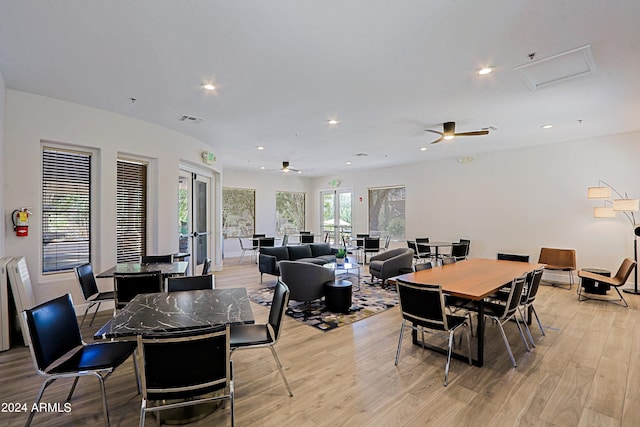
x: 369, y: 300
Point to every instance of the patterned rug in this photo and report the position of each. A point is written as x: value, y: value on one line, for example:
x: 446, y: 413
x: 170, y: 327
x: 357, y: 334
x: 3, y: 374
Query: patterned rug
x: 369, y: 300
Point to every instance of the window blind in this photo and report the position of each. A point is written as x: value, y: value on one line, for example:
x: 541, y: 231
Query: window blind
x: 131, y: 210
x: 66, y: 209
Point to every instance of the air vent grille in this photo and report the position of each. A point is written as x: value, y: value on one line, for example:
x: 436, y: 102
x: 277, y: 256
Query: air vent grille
x: 189, y: 119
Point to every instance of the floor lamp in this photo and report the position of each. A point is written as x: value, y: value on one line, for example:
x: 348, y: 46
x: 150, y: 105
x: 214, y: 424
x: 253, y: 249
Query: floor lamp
x: 622, y: 204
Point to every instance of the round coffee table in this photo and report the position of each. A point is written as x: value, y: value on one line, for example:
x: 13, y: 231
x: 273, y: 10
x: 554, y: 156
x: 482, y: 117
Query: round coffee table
x: 337, y: 296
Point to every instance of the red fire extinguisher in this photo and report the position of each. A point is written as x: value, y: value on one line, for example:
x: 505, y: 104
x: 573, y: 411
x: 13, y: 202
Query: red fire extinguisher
x: 20, y: 218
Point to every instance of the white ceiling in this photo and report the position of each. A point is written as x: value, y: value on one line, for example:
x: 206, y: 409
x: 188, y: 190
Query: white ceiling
x: 386, y: 70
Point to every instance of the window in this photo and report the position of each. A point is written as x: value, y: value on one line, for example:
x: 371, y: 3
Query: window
x: 131, y: 207
x: 66, y: 209
x: 238, y: 212
x: 290, y: 211
x: 386, y: 211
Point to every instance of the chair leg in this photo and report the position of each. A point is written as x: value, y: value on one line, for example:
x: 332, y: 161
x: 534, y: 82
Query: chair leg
x: 275, y: 357
x: 73, y: 388
x: 446, y: 367
x: 105, y: 408
x: 524, y: 340
x: 400, y: 342
x: 621, y: 297
x: 37, y: 401
x: 85, y: 313
x: 533, y: 310
x: 94, y: 314
x: 143, y: 412
x: 526, y: 327
x: 506, y: 344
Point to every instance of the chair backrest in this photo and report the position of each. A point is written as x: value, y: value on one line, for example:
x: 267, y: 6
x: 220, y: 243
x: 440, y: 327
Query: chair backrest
x: 387, y: 240
x: 285, y: 240
x: 533, y: 284
x: 257, y: 236
x: 422, y: 249
x: 448, y: 260
x: 53, y: 329
x: 127, y: 285
x: 466, y: 242
x: 422, y: 304
x: 459, y: 250
x: 189, y: 283
x: 515, y: 295
x: 188, y: 364
x: 278, y: 307
x: 257, y: 240
x: 267, y: 242
x: 157, y: 259
x: 327, y: 234
x: 206, y: 266
x: 87, y: 280
x: 563, y: 258
x: 306, y: 238
x: 624, y: 271
x: 371, y: 244
x: 422, y: 266
x: 513, y: 257
x: 304, y: 232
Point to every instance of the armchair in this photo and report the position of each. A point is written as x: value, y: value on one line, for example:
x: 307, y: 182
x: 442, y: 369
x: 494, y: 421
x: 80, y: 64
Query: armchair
x: 391, y: 263
x: 305, y: 280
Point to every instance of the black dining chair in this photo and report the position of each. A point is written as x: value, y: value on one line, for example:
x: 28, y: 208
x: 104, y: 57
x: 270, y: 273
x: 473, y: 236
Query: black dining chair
x: 306, y: 238
x: 423, y: 308
x: 189, y: 283
x: 185, y: 369
x: 156, y: 259
x: 459, y: 251
x: 58, y: 351
x: 92, y: 296
x: 248, y: 336
x: 127, y: 285
x: 206, y: 266
x: 371, y: 246
x: 512, y: 257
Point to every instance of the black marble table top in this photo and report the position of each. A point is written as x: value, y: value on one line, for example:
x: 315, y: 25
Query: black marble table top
x: 166, y: 268
x: 179, y: 311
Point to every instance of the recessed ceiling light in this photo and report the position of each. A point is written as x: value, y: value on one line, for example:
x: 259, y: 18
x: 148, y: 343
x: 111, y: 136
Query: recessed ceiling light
x: 348, y: 163
x: 262, y: 167
x: 332, y: 122
x: 548, y: 126
x: 208, y: 86
x: 485, y: 70
x: 423, y: 148
x: 259, y: 147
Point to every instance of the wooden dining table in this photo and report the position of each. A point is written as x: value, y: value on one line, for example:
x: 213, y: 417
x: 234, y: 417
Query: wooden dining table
x: 473, y: 279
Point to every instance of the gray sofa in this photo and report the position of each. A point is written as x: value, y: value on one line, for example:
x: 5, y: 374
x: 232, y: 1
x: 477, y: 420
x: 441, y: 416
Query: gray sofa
x: 314, y: 253
x: 391, y: 263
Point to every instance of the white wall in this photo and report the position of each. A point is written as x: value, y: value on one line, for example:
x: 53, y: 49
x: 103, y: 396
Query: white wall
x: 266, y: 185
x: 2, y: 160
x: 515, y: 201
x: 31, y: 119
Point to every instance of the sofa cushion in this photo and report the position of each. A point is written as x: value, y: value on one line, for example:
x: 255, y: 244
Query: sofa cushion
x: 318, y: 249
x: 327, y: 258
x: 279, y: 252
x: 316, y: 261
x: 299, y: 251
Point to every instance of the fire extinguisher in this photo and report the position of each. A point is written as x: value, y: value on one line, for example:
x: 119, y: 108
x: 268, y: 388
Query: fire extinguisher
x: 20, y: 219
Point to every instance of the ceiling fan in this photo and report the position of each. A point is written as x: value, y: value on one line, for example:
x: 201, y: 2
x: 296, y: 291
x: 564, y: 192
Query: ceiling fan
x: 287, y: 168
x: 449, y: 132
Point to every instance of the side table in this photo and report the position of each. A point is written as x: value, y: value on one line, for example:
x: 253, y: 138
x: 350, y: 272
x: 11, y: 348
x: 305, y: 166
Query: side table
x: 593, y: 287
x: 337, y: 296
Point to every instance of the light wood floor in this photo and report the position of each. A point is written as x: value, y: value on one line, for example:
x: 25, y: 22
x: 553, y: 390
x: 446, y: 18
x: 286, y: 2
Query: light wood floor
x: 585, y: 372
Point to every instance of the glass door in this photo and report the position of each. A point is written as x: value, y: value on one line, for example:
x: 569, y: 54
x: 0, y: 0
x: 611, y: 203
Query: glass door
x: 336, y: 215
x: 194, y: 205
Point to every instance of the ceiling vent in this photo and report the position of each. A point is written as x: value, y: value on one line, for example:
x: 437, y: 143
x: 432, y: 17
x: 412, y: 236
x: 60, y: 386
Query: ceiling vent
x: 189, y: 119
x: 557, y: 68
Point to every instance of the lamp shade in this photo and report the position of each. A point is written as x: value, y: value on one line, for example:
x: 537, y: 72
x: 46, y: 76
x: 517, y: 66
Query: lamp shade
x: 603, y: 212
x: 598, y: 192
x: 627, y: 205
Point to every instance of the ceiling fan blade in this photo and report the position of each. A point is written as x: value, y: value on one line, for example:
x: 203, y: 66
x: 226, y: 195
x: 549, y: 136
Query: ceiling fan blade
x: 477, y: 132
x: 434, y: 131
x: 438, y: 140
